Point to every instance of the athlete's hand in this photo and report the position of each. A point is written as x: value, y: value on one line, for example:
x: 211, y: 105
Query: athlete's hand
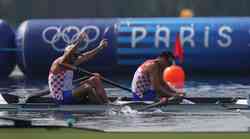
x: 103, y: 43
x: 181, y: 94
x: 82, y: 36
x: 163, y: 100
x: 97, y: 75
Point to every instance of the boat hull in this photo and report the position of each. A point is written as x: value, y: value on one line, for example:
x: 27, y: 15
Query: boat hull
x: 9, y: 98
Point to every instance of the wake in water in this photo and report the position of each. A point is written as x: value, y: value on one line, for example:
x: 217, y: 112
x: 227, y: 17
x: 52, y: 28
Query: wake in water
x: 129, y: 111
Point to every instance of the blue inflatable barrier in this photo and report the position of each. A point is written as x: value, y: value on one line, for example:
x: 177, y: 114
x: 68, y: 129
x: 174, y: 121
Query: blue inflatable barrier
x: 7, y: 49
x: 42, y: 41
x: 210, y: 44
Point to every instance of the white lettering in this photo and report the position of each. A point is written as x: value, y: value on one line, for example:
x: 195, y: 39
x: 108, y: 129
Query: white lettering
x: 188, y: 38
x: 136, y: 37
x: 223, y: 33
x: 159, y: 38
x: 206, y: 37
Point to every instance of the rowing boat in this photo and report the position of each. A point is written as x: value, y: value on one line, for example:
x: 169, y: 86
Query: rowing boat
x: 11, y: 98
x: 203, y: 106
x: 207, y: 104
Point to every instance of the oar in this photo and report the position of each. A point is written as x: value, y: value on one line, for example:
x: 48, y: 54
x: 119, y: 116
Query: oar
x: 101, y: 77
x: 46, y: 91
x: 126, y: 88
x: 80, y: 79
x: 162, y: 101
x: 113, y: 83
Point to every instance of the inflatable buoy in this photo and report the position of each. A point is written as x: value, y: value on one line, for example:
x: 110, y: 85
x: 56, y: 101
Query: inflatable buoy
x: 174, y: 76
x: 42, y: 41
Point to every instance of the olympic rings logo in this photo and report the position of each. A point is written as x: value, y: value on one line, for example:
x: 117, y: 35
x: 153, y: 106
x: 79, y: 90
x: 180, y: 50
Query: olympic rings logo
x: 53, y: 35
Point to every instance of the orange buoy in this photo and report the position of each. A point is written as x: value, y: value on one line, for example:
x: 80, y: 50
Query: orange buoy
x: 174, y: 76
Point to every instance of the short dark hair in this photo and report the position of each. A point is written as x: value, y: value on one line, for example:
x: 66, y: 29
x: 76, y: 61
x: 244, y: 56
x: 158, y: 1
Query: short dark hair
x: 166, y: 55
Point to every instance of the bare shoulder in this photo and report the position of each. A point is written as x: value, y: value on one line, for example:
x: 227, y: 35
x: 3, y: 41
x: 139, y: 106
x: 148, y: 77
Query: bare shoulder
x: 153, y: 66
x: 55, y: 67
x: 57, y: 61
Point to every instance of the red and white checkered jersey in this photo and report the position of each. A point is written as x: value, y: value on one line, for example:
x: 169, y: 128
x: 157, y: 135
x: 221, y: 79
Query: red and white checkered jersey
x: 141, y: 81
x: 60, y: 82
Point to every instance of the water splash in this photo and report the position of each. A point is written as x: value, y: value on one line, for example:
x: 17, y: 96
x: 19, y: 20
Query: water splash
x: 127, y: 110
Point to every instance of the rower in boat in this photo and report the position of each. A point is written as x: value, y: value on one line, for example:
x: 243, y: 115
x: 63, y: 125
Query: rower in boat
x: 61, y: 72
x: 148, y: 84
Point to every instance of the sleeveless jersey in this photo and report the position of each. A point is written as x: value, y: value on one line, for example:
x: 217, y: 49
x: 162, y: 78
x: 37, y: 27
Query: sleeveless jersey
x: 60, y: 82
x: 141, y: 80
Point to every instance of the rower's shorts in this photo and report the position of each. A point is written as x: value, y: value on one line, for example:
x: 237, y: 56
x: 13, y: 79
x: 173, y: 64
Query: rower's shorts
x: 149, y: 95
x: 68, y: 98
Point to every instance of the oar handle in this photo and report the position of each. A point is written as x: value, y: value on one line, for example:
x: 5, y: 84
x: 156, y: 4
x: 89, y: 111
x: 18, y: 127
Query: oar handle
x: 80, y: 79
x: 106, y: 80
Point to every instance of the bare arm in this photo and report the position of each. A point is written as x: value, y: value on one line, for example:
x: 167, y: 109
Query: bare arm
x: 66, y: 56
x: 72, y: 48
x: 64, y: 59
x: 158, y: 84
x: 92, y: 53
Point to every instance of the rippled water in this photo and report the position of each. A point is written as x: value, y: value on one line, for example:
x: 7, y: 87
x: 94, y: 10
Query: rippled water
x: 157, y: 121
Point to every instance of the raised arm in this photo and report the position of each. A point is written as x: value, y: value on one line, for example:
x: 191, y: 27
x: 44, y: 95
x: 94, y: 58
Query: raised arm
x: 72, y: 48
x: 82, y: 36
x: 92, y: 53
x: 69, y: 50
